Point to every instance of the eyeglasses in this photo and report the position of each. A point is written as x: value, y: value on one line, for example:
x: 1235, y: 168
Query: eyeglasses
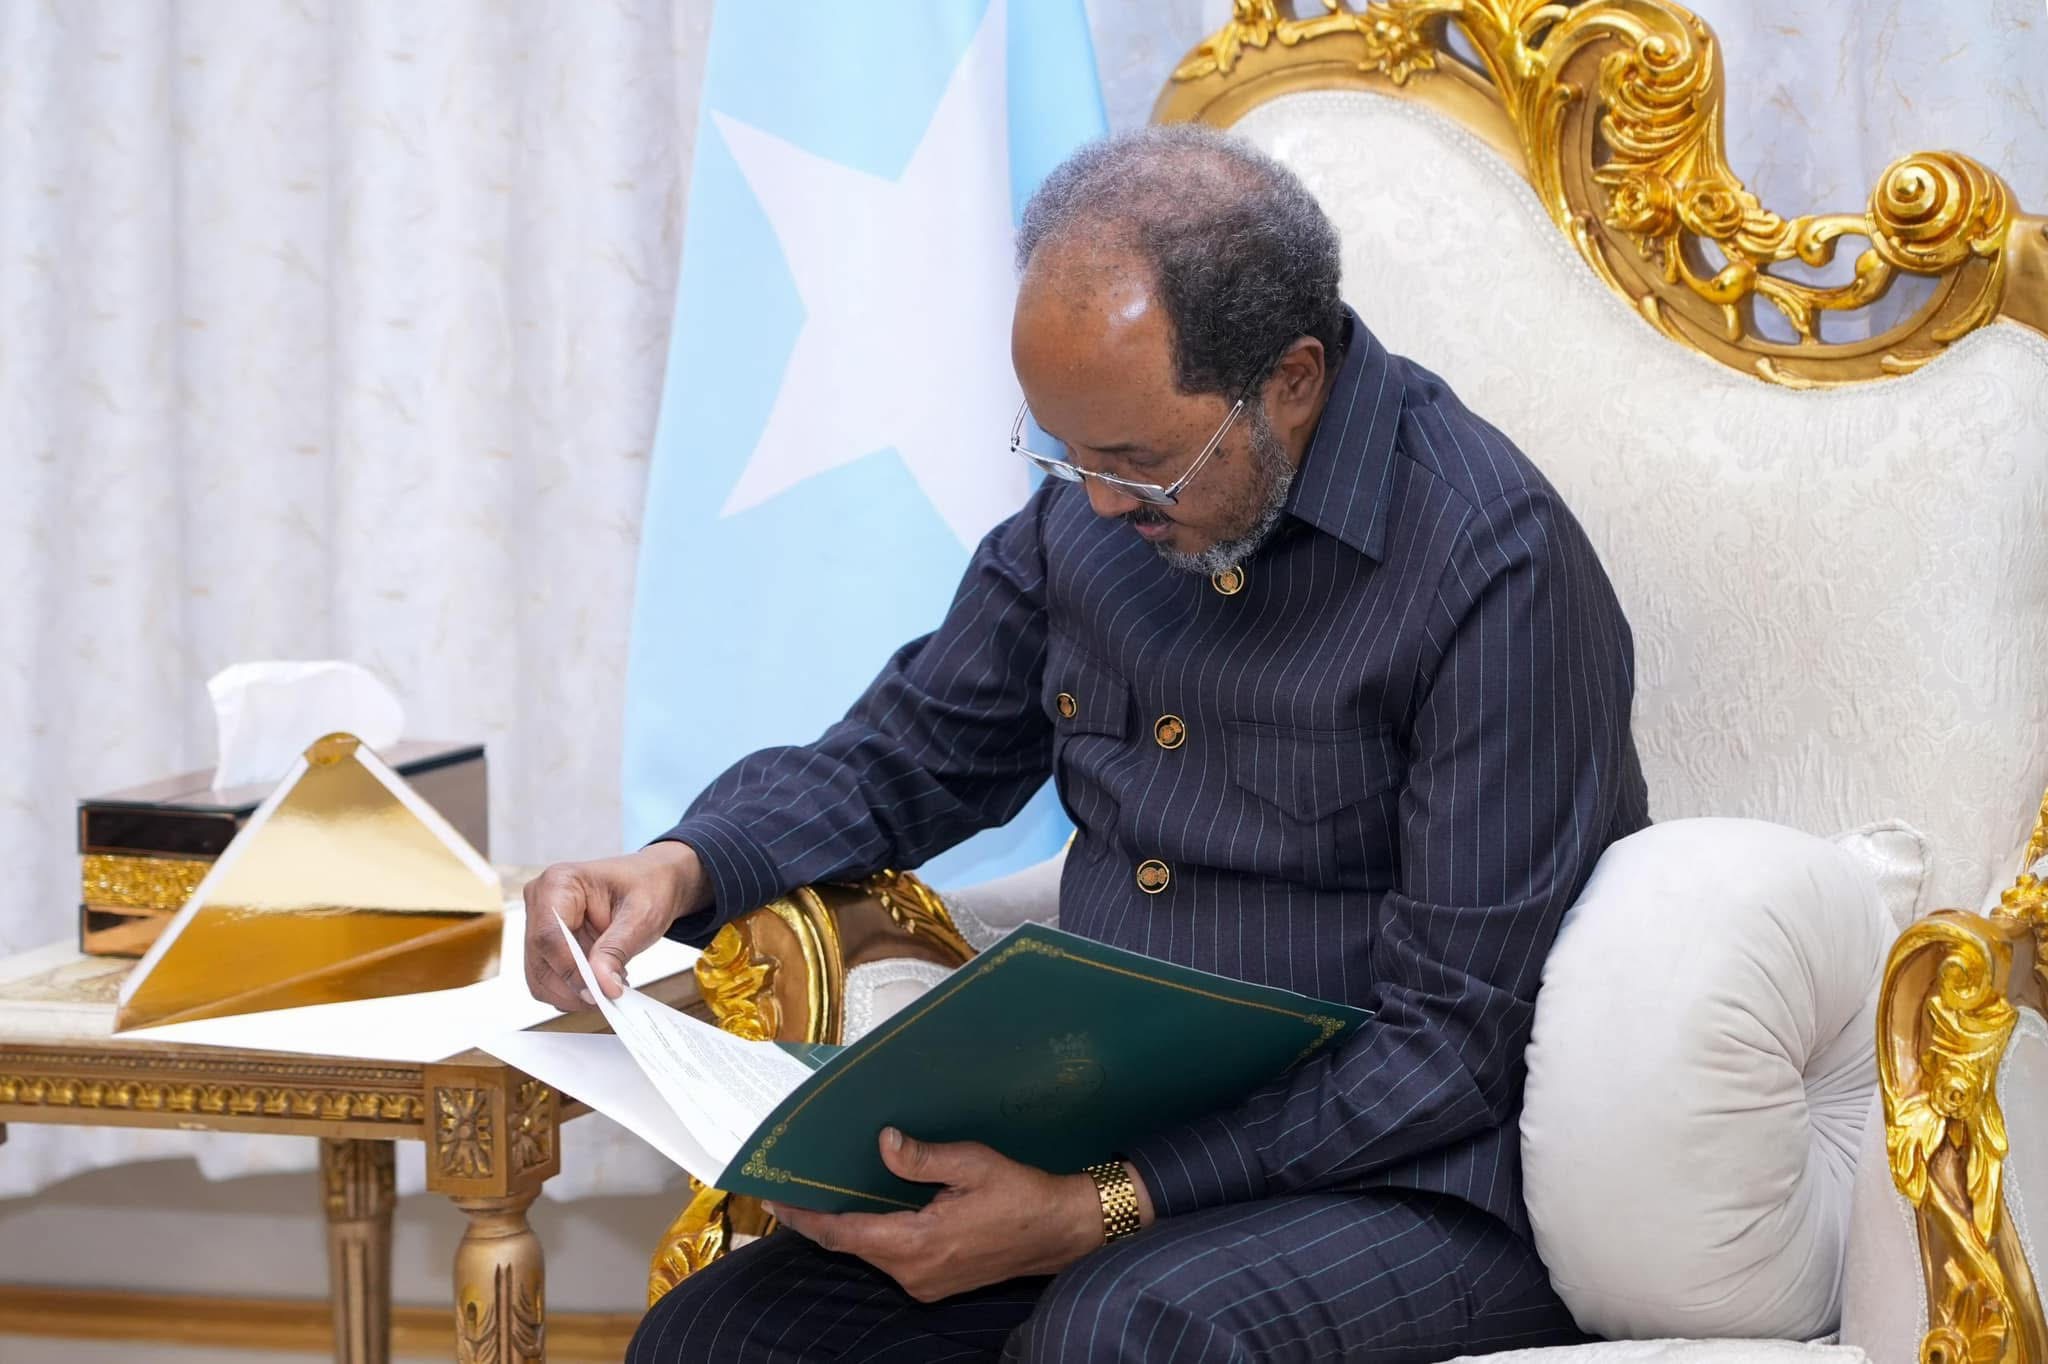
x: 1150, y: 493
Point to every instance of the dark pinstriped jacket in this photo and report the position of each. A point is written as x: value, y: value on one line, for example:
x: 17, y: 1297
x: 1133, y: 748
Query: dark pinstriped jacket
x: 1378, y: 771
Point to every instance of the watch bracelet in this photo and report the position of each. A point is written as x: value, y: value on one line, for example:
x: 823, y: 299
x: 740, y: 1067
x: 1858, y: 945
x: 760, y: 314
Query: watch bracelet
x: 1119, y: 1197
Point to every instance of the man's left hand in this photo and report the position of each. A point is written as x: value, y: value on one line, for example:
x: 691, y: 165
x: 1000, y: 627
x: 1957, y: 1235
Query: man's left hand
x: 994, y: 1220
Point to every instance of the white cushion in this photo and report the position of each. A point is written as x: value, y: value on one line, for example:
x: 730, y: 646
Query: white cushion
x: 1678, y: 1352
x: 1839, y: 599
x: 1897, y: 857
x: 1700, y: 1069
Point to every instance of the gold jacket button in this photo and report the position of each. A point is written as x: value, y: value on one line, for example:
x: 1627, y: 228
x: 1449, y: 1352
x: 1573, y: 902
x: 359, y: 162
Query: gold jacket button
x: 1067, y: 704
x: 1229, y: 582
x: 1153, y: 876
x: 1171, y: 731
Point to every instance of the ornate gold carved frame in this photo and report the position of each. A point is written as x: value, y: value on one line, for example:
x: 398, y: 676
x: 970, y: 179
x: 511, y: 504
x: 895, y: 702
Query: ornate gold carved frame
x: 1952, y: 994
x: 1612, y: 109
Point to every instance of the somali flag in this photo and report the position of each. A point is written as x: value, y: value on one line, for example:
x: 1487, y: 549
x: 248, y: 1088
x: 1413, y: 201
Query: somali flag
x: 834, y: 420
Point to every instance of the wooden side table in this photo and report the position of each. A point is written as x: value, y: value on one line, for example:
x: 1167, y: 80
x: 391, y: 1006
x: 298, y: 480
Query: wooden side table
x: 492, y: 1137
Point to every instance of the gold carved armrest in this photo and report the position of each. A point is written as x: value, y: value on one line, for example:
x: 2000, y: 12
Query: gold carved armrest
x: 1952, y: 991
x: 779, y: 974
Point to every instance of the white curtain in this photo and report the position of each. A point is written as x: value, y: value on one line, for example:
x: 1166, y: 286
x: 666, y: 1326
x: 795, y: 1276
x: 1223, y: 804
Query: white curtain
x: 326, y: 330
x: 335, y: 329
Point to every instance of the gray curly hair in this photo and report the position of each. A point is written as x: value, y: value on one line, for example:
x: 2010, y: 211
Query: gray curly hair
x: 1244, y: 259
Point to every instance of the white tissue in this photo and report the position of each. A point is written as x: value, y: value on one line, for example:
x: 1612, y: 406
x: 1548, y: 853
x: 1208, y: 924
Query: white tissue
x: 268, y: 712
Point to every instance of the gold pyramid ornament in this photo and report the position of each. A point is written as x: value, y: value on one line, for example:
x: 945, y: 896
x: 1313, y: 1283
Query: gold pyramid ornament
x: 343, y: 885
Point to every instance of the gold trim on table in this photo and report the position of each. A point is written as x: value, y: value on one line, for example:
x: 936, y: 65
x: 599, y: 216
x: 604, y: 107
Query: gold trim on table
x: 1612, y: 110
x: 312, y: 1091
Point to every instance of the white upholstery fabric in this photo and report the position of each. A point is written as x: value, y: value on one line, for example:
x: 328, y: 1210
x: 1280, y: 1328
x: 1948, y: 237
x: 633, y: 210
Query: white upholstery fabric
x: 1699, y: 1074
x: 1897, y: 857
x: 2023, y: 1093
x: 1884, y: 1294
x: 879, y: 988
x: 984, y: 913
x: 1678, y: 1352
x: 1838, y: 597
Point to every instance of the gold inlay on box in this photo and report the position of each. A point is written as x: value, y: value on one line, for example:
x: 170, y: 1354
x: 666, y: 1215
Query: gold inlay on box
x: 344, y: 885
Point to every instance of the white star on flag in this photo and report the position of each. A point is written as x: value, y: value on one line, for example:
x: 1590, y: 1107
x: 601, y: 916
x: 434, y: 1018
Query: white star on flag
x: 907, y: 290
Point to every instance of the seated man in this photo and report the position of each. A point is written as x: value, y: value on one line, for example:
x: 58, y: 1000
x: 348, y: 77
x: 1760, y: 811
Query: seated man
x: 1337, y: 695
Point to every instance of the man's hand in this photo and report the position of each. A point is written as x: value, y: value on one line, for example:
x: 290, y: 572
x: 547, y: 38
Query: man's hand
x: 616, y: 906
x: 994, y: 1220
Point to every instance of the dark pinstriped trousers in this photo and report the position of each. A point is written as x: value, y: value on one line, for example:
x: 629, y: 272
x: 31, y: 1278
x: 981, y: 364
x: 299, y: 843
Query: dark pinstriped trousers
x: 1373, y: 1275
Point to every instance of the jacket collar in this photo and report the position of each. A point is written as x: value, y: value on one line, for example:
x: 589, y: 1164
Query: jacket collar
x: 1344, y: 484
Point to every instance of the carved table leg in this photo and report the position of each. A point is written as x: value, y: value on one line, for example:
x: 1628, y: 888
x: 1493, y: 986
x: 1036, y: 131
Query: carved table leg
x: 357, y: 1176
x: 500, y: 1283
x: 490, y: 1146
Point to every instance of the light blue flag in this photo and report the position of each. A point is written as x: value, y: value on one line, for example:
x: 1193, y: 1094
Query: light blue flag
x: 835, y: 417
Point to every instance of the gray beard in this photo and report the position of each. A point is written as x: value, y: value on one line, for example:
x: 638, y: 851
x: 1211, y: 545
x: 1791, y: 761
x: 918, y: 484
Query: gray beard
x: 1269, y: 458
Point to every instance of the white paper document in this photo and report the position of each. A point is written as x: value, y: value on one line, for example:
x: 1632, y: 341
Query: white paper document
x: 576, y: 1064
x: 694, y: 1092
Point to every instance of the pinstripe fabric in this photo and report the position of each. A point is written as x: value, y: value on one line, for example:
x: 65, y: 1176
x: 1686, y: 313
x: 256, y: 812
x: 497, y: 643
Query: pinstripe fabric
x: 1373, y: 1275
x: 1407, y: 742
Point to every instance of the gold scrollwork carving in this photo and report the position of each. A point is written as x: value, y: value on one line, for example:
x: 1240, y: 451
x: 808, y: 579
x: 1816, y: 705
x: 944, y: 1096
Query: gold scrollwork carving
x: 736, y: 987
x: 810, y: 921
x: 917, y: 909
x: 1946, y: 1013
x: 1393, y: 42
x: 480, y: 1338
x: 208, y: 1100
x: 2027, y: 898
x: 464, y: 1129
x: 1638, y: 178
x: 533, y: 1127
x: 358, y: 1178
x: 2037, y: 842
x: 1968, y: 1021
x: 709, y: 1225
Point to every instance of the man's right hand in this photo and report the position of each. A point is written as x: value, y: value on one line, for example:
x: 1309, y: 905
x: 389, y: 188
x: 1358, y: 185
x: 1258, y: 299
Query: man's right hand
x: 616, y: 906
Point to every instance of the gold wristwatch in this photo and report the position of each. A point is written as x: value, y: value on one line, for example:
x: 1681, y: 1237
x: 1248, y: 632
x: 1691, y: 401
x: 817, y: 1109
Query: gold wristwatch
x: 1119, y: 1195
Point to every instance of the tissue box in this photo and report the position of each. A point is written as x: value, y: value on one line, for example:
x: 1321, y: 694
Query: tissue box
x: 143, y: 851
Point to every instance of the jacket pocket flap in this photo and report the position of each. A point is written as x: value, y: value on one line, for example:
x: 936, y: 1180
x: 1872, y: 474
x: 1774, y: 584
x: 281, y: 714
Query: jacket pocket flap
x: 1313, y: 773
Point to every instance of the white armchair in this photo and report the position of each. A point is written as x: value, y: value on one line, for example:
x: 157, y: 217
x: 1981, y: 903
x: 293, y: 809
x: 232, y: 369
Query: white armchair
x: 1828, y: 542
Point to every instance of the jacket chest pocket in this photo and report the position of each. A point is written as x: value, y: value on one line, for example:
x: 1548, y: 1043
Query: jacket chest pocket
x: 1084, y: 697
x: 1090, y: 709
x: 1336, y: 792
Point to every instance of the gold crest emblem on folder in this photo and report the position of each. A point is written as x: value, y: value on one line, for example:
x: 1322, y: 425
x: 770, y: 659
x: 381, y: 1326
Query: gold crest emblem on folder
x: 343, y: 885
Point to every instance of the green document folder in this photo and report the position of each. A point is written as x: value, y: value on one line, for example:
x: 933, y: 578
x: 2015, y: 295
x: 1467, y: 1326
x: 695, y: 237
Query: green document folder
x: 1056, y: 1051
